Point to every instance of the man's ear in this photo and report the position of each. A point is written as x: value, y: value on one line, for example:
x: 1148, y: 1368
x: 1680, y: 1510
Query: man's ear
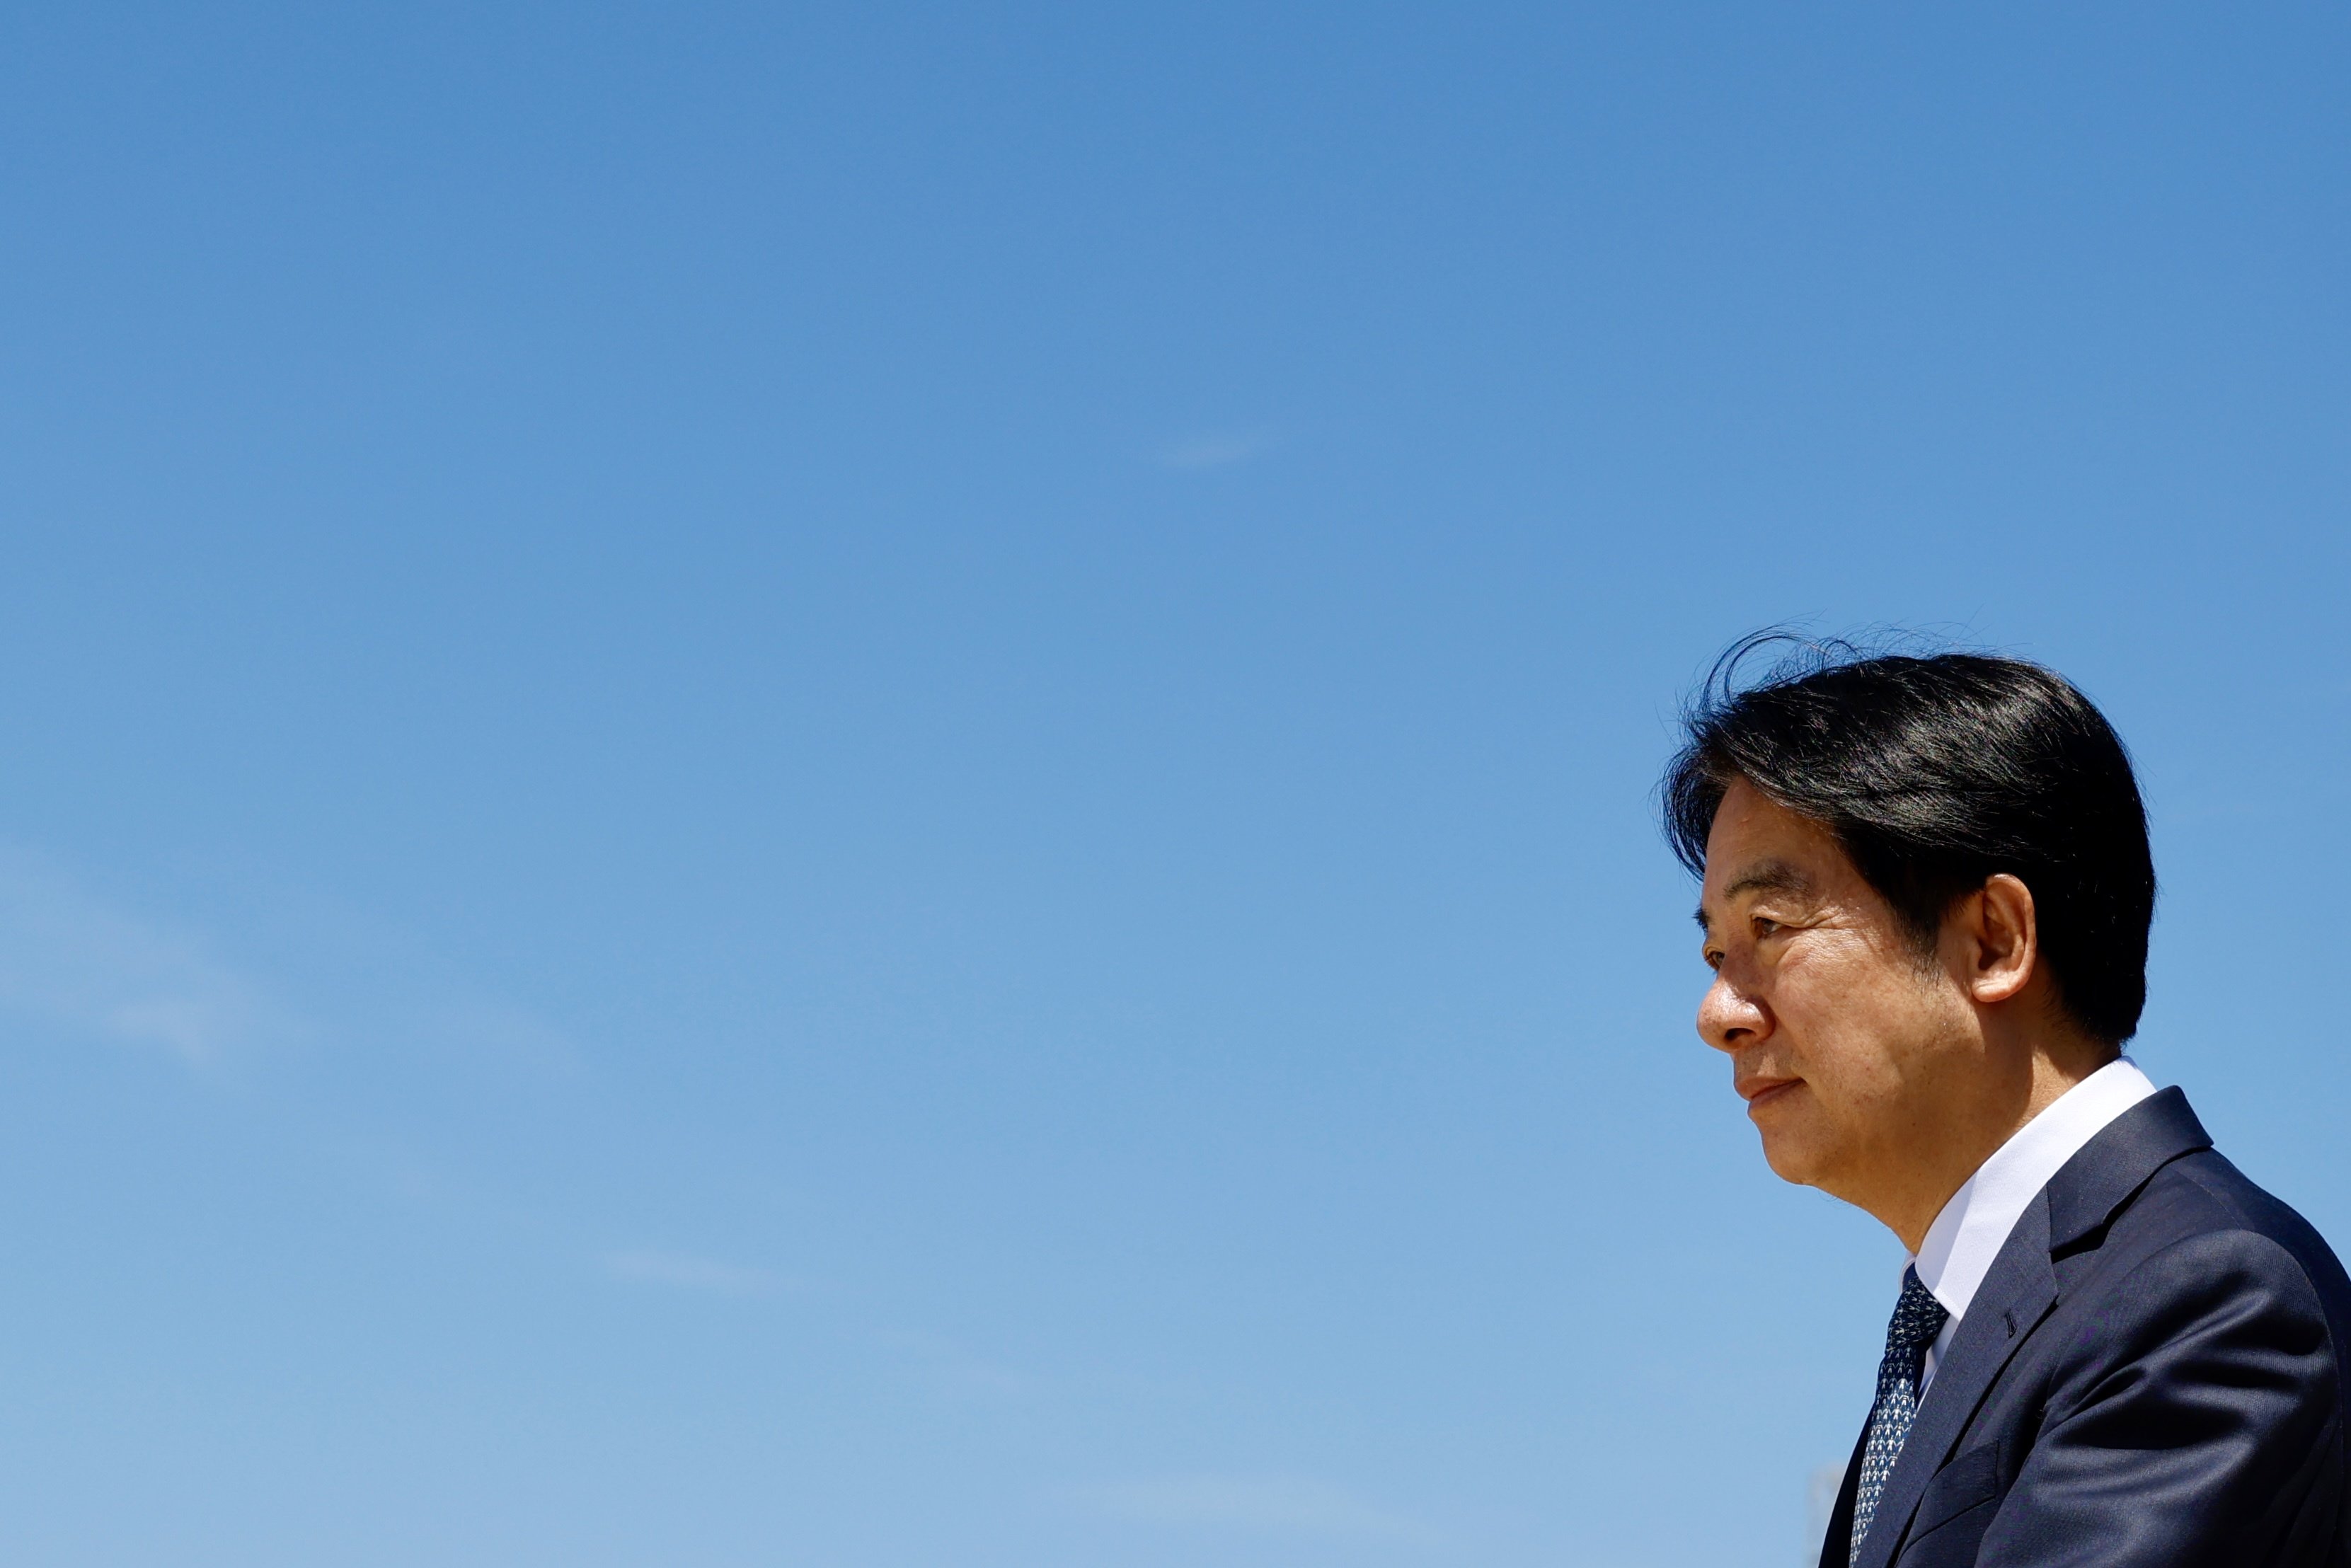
x: 2005, y: 942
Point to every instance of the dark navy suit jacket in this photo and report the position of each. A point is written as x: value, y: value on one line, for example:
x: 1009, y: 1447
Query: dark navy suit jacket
x: 2151, y: 1375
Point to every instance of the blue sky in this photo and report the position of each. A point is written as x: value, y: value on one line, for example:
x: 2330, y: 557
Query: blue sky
x: 871, y: 785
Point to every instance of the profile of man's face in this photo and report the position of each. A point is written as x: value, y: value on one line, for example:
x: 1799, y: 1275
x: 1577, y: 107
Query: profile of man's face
x: 1839, y: 1034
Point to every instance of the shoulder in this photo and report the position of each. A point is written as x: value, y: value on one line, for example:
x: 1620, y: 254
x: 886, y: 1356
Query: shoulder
x: 2201, y: 1197
x: 2183, y: 1399
x: 2201, y: 1242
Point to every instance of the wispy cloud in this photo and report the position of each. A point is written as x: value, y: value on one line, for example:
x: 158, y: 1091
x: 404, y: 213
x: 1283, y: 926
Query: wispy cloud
x: 71, y: 959
x: 1261, y: 1503
x: 511, y: 1034
x: 953, y: 1370
x: 1217, y: 449
x: 682, y: 1271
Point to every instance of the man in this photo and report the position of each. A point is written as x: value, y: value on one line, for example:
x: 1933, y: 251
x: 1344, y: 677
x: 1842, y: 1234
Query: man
x: 1925, y: 894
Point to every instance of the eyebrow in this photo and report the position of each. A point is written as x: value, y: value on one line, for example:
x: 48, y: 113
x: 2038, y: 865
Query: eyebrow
x: 1769, y: 876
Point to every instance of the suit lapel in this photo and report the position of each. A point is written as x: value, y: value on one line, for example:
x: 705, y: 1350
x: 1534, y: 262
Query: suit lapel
x: 1836, y: 1546
x: 2014, y: 1295
x: 2096, y: 1184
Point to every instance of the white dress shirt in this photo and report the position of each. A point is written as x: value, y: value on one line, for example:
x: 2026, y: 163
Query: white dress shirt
x: 1974, y: 1225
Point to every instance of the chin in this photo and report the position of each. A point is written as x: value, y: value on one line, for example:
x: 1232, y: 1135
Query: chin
x: 1793, y: 1151
x: 1787, y: 1165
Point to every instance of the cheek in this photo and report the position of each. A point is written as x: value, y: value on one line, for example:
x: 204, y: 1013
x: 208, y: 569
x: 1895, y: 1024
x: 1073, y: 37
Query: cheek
x: 1865, y: 1018
x: 1807, y: 984
x: 1835, y: 1006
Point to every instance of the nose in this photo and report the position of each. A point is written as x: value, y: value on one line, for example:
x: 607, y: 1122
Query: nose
x: 1730, y: 1019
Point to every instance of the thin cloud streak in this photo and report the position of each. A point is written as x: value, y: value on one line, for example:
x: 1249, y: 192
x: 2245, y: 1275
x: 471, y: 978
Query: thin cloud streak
x: 682, y: 1271
x: 1220, y: 449
x: 950, y: 1368
x: 70, y: 958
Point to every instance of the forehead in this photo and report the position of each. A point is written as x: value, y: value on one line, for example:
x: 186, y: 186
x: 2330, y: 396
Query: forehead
x: 1757, y: 843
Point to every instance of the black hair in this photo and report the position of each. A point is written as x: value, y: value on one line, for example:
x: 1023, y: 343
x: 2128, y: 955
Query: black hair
x: 1935, y: 772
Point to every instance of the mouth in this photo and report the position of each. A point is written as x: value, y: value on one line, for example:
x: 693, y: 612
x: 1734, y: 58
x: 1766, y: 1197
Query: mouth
x: 1760, y: 1092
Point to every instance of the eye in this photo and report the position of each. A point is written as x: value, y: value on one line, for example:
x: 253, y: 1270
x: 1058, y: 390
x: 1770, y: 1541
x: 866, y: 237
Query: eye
x: 1764, y: 926
x: 1713, y: 956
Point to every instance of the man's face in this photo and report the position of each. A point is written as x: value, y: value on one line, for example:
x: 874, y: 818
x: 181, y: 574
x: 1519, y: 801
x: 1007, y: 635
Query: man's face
x: 1842, y: 1042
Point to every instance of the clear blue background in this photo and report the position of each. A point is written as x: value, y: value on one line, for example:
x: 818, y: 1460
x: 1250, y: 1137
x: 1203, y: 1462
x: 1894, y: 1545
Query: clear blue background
x: 869, y: 784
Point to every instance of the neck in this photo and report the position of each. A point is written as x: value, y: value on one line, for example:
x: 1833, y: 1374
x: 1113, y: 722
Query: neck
x: 1972, y: 1129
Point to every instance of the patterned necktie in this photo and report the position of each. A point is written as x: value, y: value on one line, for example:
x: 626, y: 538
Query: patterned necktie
x: 1918, y: 1317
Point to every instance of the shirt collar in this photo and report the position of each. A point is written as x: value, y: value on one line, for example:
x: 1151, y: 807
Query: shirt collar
x: 1968, y: 1233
